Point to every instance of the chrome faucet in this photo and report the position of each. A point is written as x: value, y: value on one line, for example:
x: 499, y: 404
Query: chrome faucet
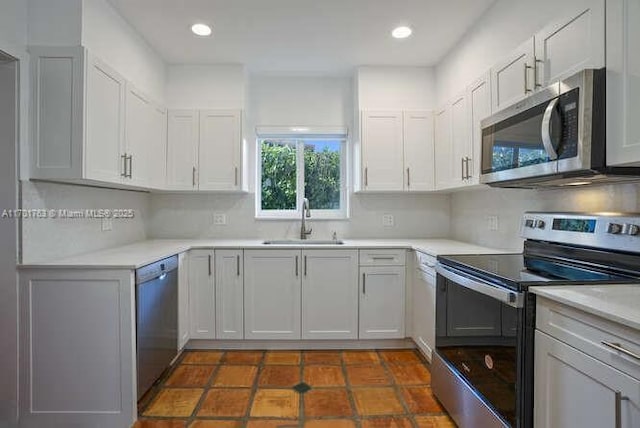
x: 306, y: 213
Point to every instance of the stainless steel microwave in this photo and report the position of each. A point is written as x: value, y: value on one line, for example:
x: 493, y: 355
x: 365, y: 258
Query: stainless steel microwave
x: 555, y: 137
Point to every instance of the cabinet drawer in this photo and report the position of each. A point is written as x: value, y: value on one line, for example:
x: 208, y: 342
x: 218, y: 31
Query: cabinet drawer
x: 382, y: 257
x: 590, y: 334
x: 426, y: 262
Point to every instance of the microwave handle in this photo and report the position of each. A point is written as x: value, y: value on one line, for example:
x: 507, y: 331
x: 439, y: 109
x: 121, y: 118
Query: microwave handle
x: 546, y: 130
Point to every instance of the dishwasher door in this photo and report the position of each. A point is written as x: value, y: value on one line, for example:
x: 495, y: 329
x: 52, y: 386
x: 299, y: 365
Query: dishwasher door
x: 156, y: 320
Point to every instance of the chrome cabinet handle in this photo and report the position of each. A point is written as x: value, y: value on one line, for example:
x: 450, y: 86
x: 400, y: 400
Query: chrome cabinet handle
x: 382, y: 258
x: 296, y: 265
x: 305, y: 265
x: 364, y: 283
x: 209, y: 264
x: 618, y: 411
x: 462, y: 169
x: 536, y: 61
x: 408, y: 177
x: 237, y: 265
x: 467, y: 162
x: 526, y: 78
x: 236, y: 175
x: 124, y: 165
x: 130, y: 174
x: 366, y: 176
x: 618, y: 347
x: 193, y: 177
x: 546, y: 130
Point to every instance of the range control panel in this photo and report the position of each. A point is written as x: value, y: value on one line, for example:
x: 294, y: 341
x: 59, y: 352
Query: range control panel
x: 616, y: 231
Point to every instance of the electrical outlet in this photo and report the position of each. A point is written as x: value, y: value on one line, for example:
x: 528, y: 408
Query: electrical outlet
x: 492, y: 222
x: 107, y: 224
x: 387, y: 220
x: 219, y: 219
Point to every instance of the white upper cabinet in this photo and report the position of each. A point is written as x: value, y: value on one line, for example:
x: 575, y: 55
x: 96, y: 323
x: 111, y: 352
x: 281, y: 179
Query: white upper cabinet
x: 229, y: 294
x: 382, y: 151
x: 569, y: 45
x: 220, y: 152
x: 460, y: 139
x: 512, y: 78
x: 479, y: 99
x: 418, y: 151
x: 104, y: 144
x: 182, y: 149
x: 623, y: 83
x: 329, y: 294
x: 443, y: 147
x: 90, y: 126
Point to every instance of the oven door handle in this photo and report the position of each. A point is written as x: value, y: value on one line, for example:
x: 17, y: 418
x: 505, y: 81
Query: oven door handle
x: 546, y: 130
x: 504, y: 295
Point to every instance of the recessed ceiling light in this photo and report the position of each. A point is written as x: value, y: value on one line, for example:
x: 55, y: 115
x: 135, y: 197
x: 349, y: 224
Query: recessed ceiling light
x: 201, y: 30
x: 401, y: 32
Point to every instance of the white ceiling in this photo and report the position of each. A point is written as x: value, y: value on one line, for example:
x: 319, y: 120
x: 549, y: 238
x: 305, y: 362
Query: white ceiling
x: 302, y: 36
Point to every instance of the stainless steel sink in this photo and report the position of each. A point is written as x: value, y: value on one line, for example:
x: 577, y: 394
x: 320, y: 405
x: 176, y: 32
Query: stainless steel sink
x: 303, y: 242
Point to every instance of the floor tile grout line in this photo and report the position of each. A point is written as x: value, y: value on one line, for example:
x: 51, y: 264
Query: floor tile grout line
x: 352, y: 401
x: 206, y: 390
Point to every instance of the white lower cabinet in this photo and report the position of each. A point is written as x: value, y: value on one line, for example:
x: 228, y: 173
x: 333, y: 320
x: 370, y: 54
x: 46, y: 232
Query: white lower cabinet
x: 183, y: 300
x: 382, y: 302
x: 229, y: 294
x: 272, y: 294
x: 202, y: 294
x: 423, y: 305
x: 330, y: 294
x: 574, y: 390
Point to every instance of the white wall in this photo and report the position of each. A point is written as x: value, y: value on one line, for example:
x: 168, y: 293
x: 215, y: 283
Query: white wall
x: 502, y: 28
x: 55, y: 22
x: 206, y: 87
x: 107, y: 35
x: 396, y: 88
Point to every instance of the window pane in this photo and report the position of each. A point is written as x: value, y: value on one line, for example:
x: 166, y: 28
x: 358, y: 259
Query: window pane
x: 278, y: 175
x: 322, y: 173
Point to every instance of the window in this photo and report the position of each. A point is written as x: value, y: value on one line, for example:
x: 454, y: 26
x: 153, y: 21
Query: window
x: 296, y: 167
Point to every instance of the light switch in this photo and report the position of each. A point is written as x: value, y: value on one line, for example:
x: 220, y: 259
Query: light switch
x: 492, y: 222
x: 388, y: 220
x: 219, y: 219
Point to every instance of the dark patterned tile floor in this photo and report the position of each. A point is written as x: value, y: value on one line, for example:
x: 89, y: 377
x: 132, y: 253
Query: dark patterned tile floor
x: 255, y: 389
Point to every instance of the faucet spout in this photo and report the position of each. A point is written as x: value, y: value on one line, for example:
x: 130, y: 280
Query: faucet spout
x: 306, y: 213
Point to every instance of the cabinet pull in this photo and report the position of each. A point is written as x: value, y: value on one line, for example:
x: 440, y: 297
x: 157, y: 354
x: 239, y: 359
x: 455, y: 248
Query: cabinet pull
x: 618, y: 411
x: 408, y: 177
x: 130, y: 158
x: 305, y: 265
x: 618, y: 347
x: 382, y: 258
x: 124, y: 165
x: 468, y: 160
x: 296, y: 265
x: 235, y: 175
x: 209, y: 264
x: 238, y: 265
x: 462, y: 169
x: 526, y: 78
x: 193, y: 177
x: 364, y: 283
x: 366, y: 176
x: 536, y: 61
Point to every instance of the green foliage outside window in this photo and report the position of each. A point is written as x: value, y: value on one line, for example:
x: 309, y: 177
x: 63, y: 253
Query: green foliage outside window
x: 322, y: 168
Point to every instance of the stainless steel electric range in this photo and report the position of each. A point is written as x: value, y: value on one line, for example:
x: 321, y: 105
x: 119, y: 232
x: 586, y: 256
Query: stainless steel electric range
x: 482, y: 370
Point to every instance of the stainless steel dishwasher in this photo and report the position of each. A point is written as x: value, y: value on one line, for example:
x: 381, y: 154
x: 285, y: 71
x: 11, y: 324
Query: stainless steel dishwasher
x: 156, y: 320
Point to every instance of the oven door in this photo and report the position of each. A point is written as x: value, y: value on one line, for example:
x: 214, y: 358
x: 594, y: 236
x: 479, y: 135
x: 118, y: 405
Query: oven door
x: 479, y: 353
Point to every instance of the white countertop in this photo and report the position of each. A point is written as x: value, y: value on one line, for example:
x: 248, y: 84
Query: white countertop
x: 619, y: 303
x: 142, y: 253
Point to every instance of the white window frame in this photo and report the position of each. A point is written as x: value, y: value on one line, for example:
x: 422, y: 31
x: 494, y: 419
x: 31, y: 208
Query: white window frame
x: 341, y: 214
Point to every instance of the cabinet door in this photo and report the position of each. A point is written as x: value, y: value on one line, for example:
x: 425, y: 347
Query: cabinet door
x: 330, y: 294
x: 104, y: 133
x: 623, y: 83
x: 574, y: 390
x: 382, y: 151
x: 512, y: 78
x: 423, y: 309
x: 272, y: 294
x: 157, y: 154
x: 220, y: 152
x: 460, y: 139
x: 382, y: 302
x: 479, y: 97
x: 229, y: 294
x: 571, y: 44
x: 139, y: 134
x: 183, y: 300
x: 418, y: 151
x: 443, y: 147
x: 182, y: 149
x: 202, y: 294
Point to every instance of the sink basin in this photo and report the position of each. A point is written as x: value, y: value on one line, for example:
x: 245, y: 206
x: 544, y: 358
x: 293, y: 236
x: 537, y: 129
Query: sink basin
x: 303, y: 242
